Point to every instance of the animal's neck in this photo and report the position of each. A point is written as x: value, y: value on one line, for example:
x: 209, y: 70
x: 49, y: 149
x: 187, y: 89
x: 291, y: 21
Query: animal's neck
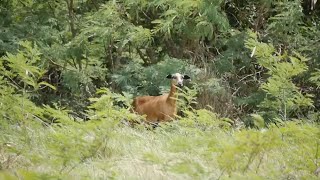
x: 172, y: 98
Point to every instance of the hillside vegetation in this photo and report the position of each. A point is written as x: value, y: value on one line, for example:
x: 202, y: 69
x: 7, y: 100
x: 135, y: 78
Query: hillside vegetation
x: 69, y: 70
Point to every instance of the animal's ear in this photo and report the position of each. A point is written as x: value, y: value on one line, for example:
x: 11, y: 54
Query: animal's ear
x: 186, y: 77
x: 169, y: 76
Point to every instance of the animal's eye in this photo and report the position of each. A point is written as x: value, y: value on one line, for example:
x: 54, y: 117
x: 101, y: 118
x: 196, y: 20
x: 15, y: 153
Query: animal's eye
x: 174, y: 77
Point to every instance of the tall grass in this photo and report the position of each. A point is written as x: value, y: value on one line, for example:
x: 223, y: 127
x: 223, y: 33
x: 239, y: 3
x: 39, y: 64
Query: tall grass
x: 178, y: 150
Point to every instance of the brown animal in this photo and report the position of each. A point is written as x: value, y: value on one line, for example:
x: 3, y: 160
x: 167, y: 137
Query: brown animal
x: 160, y: 108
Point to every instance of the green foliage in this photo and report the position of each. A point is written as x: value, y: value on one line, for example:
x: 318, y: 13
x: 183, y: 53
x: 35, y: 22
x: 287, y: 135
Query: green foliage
x: 198, y: 19
x: 315, y: 78
x: 152, y: 79
x: 21, y: 81
x: 248, y: 146
x: 60, y: 154
x: 193, y: 169
x: 103, y: 107
x: 70, y: 69
x: 196, y: 146
x: 286, y: 25
x: 250, y: 151
x: 23, y: 69
x: 282, y: 95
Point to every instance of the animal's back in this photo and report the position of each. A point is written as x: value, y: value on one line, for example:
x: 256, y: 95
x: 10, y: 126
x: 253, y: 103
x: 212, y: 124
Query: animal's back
x: 138, y: 101
x: 155, y: 107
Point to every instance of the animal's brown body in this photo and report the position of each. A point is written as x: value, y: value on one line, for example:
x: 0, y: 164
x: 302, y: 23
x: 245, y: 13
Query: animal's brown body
x: 160, y: 108
x: 157, y: 108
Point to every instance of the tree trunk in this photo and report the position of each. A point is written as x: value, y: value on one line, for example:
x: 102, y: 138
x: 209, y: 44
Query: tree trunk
x: 70, y: 5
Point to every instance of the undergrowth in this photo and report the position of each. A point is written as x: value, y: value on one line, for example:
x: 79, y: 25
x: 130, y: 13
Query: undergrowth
x: 50, y: 142
x: 201, y: 145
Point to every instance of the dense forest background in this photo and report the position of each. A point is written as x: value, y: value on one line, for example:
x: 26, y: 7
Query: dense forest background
x: 70, y: 69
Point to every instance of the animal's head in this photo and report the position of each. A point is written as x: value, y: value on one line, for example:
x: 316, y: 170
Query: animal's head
x: 177, y: 79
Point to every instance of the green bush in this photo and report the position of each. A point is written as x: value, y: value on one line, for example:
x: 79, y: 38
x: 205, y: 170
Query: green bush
x: 69, y: 70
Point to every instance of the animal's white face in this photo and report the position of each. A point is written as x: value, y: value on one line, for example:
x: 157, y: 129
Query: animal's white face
x: 178, y: 78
